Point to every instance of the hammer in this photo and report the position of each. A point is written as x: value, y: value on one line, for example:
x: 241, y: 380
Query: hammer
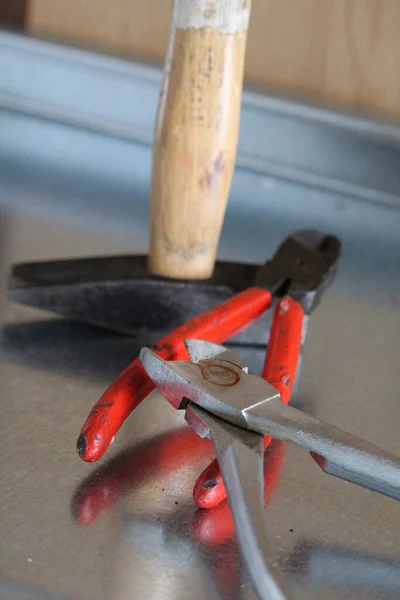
x: 195, y: 141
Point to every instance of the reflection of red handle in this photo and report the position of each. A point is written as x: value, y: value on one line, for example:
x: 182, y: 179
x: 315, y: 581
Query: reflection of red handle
x: 133, y: 384
x: 279, y: 370
x: 216, y: 526
x: 162, y: 455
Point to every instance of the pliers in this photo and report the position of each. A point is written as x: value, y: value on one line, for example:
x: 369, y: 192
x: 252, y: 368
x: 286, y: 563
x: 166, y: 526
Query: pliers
x: 235, y: 409
x: 294, y: 279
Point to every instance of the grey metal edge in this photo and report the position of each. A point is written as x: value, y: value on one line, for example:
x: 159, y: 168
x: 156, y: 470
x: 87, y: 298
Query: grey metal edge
x: 281, y: 138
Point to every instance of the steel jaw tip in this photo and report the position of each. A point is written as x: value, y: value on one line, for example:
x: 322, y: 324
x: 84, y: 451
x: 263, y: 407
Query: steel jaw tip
x: 199, y: 350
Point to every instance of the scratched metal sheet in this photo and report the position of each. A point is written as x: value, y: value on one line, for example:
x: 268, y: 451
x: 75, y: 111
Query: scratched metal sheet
x: 127, y: 527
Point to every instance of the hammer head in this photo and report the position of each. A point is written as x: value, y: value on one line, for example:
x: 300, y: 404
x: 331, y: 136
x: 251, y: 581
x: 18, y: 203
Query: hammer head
x: 120, y: 294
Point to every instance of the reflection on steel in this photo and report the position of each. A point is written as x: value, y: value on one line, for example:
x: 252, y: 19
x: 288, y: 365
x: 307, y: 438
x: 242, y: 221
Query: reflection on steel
x: 214, y: 529
x: 163, y: 455
x: 332, y: 566
x: 13, y: 590
x: 4, y: 241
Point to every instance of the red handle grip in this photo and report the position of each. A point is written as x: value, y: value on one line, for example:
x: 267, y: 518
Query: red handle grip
x: 279, y: 370
x: 133, y: 384
x: 284, y: 347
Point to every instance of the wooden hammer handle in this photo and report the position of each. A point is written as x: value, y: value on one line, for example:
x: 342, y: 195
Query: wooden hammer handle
x: 196, y: 135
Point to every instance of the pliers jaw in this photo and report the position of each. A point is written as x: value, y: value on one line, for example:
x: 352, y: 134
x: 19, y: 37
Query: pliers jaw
x: 218, y: 383
x: 203, y: 350
x: 303, y: 267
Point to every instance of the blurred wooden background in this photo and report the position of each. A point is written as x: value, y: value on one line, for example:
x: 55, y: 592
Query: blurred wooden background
x: 344, y: 52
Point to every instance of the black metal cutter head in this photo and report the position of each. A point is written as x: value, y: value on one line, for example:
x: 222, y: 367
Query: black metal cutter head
x: 303, y: 267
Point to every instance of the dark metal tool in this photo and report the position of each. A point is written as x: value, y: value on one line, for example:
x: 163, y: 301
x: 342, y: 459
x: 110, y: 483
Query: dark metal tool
x: 235, y: 410
x: 118, y: 293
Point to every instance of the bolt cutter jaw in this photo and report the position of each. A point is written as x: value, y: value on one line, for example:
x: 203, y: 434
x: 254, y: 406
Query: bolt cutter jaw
x: 303, y: 267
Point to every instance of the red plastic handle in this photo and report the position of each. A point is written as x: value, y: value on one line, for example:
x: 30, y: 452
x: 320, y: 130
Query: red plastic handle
x: 284, y: 347
x: 279, y: 370
x: 133, y: 384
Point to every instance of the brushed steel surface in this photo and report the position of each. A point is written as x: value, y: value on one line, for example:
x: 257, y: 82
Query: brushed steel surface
x: 146, y: 544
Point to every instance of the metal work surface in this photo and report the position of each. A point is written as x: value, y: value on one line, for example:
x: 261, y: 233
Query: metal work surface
x: 151, y: 542
x: 127, y: 527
